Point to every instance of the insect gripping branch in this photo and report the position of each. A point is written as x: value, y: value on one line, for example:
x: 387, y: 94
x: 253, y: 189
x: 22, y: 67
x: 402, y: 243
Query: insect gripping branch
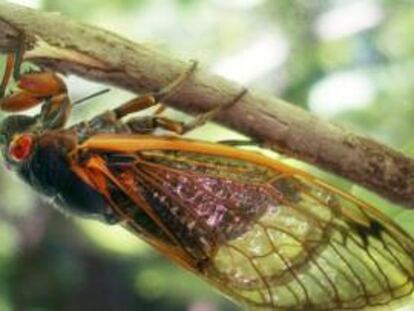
x: 267, y: 235
x: 70, y: 47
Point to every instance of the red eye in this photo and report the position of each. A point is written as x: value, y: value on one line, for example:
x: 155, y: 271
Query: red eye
x: 21, y: 147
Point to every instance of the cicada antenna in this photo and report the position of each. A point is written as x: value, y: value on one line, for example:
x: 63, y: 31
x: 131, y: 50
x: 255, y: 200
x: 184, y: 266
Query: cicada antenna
x: 84, y: 99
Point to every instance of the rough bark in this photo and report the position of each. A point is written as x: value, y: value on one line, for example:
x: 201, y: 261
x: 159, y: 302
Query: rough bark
x: 71, y: 47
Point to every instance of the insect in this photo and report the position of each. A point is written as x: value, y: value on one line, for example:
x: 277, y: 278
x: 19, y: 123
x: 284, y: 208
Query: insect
x: 267, y: 235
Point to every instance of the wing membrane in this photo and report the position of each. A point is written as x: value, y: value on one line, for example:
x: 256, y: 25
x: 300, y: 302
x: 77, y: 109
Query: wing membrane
x: 267, y: 235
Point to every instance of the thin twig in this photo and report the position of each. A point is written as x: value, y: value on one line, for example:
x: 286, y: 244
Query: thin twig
x: 71, y: 47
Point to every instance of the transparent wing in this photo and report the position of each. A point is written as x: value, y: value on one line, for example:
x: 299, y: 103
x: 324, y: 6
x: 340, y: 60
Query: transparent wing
x: 270, y: 240
x: 317, y: 251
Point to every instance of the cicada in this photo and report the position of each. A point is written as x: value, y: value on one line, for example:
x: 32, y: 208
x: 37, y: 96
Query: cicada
x: 265, y: 234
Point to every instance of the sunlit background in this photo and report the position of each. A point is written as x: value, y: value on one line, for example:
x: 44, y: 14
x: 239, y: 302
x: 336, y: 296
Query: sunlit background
x: 351, y: 61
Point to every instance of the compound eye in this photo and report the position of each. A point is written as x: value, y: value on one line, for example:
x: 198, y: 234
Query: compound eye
x: 20, y: 148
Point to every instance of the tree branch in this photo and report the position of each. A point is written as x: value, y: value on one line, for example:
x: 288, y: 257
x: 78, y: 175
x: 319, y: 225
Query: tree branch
x: 71, y: 47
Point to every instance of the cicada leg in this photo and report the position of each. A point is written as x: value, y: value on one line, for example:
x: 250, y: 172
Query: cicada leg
x: 56, y: 111
x: 176, y: 85
x: 111, y: 121
x: 136, y: 104
x: 13, y: 63
x: 149, y: 124
x: 10, y: 61
x: 149, y: 100
x: 209, y: 115
x: 34, y: 88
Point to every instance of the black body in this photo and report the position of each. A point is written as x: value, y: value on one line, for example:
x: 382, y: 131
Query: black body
x: 48, y: 172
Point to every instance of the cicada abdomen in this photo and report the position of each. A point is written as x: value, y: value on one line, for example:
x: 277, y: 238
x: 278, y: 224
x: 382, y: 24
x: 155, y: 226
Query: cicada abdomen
x: 266, y: 235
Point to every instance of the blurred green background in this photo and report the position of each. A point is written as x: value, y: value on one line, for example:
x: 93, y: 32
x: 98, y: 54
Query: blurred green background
x: 351, y: 61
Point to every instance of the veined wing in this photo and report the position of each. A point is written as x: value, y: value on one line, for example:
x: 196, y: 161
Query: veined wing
x: 265, y: 234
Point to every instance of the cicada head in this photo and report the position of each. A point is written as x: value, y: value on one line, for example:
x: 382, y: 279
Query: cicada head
x: 40, y: 158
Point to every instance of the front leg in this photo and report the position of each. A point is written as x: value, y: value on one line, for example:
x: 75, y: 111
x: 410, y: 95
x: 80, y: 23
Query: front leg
x: 34, y: 89
x: 38, y: 88
x: 13, y: 62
